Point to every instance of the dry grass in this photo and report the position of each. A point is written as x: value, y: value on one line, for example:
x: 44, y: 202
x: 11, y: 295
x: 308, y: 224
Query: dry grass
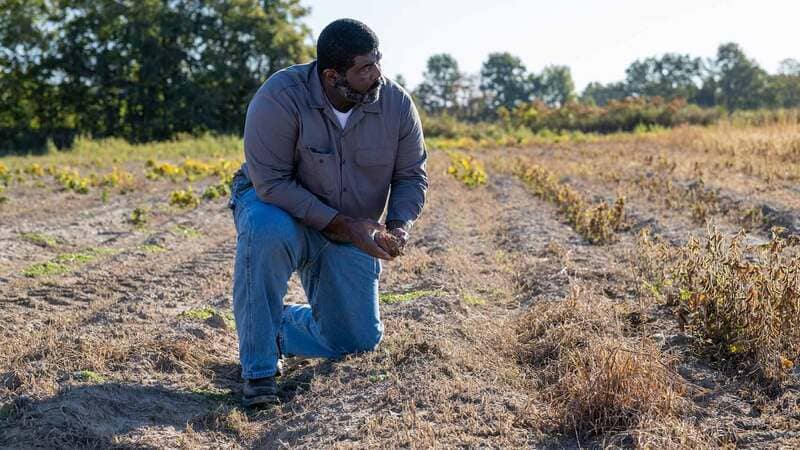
x: 599, y: 383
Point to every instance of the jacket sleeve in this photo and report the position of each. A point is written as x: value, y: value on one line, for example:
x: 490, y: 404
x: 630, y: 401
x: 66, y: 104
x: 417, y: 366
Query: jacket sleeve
x: 270, y: 137
x: 409, y: 180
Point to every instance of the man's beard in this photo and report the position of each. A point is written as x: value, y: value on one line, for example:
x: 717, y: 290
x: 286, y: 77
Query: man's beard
x: 347, y: 91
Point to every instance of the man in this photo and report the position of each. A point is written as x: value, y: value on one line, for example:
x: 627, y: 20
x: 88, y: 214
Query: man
x: 328, y: 145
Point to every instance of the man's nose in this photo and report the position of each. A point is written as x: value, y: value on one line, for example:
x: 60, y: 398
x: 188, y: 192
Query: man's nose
x: 377, y: 73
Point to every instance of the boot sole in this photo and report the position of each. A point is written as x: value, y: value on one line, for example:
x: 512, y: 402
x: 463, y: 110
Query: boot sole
x: 260, y: 400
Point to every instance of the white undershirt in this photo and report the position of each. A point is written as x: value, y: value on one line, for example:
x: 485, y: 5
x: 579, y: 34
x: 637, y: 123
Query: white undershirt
x: 342, y: 116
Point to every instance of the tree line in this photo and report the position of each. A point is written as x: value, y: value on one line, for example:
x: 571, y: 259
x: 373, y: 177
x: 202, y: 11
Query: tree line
x: 730, y: 80
x: 153, y: 69
x: 138, y: 69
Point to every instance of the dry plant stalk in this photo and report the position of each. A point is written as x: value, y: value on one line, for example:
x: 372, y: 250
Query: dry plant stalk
x: 743, y: 303
x: 598, y: 223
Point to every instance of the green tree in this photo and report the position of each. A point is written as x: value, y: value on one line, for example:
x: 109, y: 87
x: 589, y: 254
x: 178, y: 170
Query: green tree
x: 442, y: 81
x: 669, y: 76
x: 555, y: 86
x: 142, y: 70
x: 505, y: 81
x: 789, y: 66
x: 740, y: 82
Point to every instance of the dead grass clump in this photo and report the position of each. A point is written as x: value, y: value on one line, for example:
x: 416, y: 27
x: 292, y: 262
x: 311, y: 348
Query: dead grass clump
x: 599, y: 383
x: 176, y: 355
x: 597, y: 222
x: 742, y: 302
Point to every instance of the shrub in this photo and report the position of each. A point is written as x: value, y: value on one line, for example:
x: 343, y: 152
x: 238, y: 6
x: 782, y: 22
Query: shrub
x: 184, y: 198
x: 741, y: 302
x: 466, y: 169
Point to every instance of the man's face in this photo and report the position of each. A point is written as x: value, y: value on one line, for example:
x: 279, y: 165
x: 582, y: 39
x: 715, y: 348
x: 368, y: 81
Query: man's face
x: 361, y: 83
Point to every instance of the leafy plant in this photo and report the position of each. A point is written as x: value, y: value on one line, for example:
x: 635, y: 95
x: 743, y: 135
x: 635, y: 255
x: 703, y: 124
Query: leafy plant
x: 466, y: 169
x: 184, y: 198
x: 139, y: 216
x: 742, y: 302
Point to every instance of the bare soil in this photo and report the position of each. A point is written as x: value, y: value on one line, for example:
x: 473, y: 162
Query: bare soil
x: 135, y: 348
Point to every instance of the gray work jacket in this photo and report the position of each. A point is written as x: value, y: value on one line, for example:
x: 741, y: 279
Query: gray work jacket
x: 300, y: 159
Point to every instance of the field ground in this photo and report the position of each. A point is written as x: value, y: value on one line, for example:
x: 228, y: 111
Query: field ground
x: 532, y: 309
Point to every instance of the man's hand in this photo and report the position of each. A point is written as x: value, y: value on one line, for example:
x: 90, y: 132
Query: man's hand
x: 360, y: 232
x: 394, y: 240
x: 390, y: 242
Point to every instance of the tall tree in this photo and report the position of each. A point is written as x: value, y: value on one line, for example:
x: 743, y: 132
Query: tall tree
x: 555, y: 86
x: 442, y: 81
x: 669, y: 76
x: 741, y: 83
x: 505, y: 81
x: 148, y: 69
x: 789, y: 66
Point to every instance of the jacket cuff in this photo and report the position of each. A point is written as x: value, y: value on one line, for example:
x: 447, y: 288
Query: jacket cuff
x: 319, y: 215
x: 399, y: 223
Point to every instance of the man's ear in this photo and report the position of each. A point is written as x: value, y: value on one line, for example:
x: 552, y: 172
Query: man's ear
x: 329, y: 75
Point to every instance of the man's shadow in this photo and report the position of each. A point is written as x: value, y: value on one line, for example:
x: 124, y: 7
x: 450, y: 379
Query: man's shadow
x: 96, y: 415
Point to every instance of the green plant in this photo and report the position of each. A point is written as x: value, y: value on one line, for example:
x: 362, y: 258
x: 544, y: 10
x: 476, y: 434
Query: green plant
x: 184, y: 198
x: 466, y: 169
x: 39, y: 239
x: 90, y: 376
x: 139, y: 216
x: 399, y: 297
x: 221, y: 189
x: 64, y: 262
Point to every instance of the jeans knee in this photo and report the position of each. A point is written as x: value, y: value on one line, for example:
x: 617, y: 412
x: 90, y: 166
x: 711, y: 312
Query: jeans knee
x: 271, y: 228
x: 366, y: 341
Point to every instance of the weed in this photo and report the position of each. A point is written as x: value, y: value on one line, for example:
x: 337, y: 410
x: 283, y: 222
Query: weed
x: 598, y: 381
x: 207, y: 314
x: 742, y: 302
x: 139, y: 217
x: 390, y: 297
x: 221, y: 189
x: 89, y: 376
x: 152, y: 248
x: 40, y: 239
x: 466, y: 169
x: 186, y: 231
x: 473, y: 300
x: 64, y: 262
x: 117, y: 177
x: 71, y: 180
x: 184, y: 198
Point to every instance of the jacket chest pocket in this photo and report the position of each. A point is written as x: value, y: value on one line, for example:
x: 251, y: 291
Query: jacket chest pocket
x: 318, y: 169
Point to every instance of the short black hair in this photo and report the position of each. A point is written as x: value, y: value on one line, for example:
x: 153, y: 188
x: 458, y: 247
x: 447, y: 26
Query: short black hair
x: 341, y: 41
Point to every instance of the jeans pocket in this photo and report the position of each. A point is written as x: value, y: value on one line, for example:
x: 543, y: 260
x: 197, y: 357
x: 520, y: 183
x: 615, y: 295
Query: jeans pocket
x: 239, y: 184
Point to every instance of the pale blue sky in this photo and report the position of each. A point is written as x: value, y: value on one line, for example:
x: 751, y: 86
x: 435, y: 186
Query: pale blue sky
x: 597, y: 39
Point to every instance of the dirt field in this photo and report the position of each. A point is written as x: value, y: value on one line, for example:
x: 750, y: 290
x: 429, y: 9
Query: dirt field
x: 533, y: 307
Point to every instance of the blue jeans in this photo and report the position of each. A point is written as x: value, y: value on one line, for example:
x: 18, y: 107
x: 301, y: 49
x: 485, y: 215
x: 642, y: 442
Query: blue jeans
x: 340, y: 281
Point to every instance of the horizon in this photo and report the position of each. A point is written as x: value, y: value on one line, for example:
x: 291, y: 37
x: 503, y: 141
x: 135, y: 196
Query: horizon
x: 762, y: 34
